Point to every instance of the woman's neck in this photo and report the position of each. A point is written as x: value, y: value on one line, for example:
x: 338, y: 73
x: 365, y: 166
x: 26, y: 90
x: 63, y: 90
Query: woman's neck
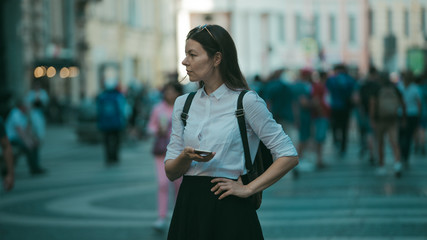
x: 213, y: 83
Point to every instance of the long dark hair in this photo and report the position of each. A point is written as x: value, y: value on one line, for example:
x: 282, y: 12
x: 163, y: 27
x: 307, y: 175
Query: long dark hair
x: 216, y: 39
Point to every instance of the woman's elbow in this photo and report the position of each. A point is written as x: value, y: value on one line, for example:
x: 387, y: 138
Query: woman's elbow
x: 170, y: 173
x: 171, y: 176
x: 294, y: 161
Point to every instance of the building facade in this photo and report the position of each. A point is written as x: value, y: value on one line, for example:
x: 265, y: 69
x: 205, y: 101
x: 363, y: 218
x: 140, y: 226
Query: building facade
x: 273, y: 34
x: 142, y: 41
x: 398, y: 34
x: 132, y: 41
x: 42, y: 41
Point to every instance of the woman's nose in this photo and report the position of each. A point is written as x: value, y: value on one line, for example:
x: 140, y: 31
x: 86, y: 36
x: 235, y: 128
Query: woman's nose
x: 184, y: 62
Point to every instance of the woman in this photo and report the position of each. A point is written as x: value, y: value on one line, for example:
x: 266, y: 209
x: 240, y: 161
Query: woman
x: 160, y: 126
x: 212, y: 202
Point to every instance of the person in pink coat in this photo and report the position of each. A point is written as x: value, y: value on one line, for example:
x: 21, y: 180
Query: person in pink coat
x: 160, y: 126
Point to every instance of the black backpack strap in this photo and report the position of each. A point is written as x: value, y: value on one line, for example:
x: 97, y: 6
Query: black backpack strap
x: 184, y: 114
x: 240, y: 114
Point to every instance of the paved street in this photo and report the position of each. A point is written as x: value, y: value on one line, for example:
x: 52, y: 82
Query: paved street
x: 81, y: 199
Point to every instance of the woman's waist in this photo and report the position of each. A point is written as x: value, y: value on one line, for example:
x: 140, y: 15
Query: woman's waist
x: 214, y: 173
x: 204, y: 182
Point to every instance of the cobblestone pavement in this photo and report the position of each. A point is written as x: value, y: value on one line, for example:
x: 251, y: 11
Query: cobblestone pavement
x: 81, y: 199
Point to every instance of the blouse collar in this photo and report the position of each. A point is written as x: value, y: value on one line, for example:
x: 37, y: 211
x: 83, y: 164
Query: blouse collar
x: 218, y: 93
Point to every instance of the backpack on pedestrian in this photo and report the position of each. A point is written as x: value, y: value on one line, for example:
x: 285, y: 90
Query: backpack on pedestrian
x: 110, y: 116
x: 388, y: 102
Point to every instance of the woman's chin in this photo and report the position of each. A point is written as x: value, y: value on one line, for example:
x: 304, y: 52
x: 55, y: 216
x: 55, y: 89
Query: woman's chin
x: 193, y: 79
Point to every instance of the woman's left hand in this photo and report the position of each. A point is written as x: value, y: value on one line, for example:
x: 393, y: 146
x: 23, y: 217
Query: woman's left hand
x: 230, y: 187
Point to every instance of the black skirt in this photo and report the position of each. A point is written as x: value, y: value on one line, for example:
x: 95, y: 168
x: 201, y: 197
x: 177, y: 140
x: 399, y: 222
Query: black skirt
x: 199, y: 215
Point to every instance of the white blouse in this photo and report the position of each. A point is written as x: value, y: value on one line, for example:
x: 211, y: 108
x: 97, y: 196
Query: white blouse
x: 212, y: 125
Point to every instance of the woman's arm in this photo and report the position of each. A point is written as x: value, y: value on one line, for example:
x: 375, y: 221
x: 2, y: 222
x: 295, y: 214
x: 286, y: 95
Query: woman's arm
x: 273, y: 174
x: 175, y: 168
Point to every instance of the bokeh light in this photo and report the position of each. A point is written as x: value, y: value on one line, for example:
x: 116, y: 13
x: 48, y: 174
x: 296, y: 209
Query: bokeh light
x: 39, y: 72
x: 64, y: 73
x: 74, y: 71
x: 51, y: 72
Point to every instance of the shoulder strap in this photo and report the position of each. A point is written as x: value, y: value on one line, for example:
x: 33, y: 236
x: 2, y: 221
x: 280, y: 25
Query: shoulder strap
x: 184, y: 114
x: 240, y: 114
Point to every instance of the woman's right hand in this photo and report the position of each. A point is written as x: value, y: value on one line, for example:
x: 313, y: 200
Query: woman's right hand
x: 175, y: 168
x: 189, y: 154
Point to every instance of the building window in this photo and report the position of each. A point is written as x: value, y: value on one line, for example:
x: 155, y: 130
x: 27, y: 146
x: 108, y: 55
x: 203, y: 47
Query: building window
x: 406, y: 22
x: 352, y: 29
x: 332, y: 29
x: 132, y: 13
x: 389, y: 21
x: 298, y: 27
x: 316, y: 27
x: 371, y: 22
x: 282, y: 28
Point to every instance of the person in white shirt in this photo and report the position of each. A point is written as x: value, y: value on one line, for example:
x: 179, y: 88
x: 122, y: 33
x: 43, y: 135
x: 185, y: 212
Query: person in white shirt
x: 213, y: 202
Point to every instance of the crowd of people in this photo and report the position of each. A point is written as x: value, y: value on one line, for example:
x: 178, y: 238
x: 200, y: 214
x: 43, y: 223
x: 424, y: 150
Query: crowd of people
x: 381, y: 104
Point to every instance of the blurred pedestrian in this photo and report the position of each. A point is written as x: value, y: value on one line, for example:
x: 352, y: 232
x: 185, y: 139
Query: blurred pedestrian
x: 320, y: 115
x: 6, y: 160
x: 111, y: 115
x: 408, y: 126
x: 21, y: 136
x: 160, y: 125
x: 366, y: 92
x: 135, y: 99
x: 213, y: 202
x: 38, y: 100
x: 278, y: 97
x: 420, y: 139
x: 301, y: 92
x: 341, y: 87
x: 384, y: 105
x: 257, y: 84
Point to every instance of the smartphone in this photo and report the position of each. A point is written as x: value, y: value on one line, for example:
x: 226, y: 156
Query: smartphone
x: 202, y: 153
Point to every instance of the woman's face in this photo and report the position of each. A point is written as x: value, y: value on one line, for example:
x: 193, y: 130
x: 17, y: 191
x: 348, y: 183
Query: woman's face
x: 197, y: 62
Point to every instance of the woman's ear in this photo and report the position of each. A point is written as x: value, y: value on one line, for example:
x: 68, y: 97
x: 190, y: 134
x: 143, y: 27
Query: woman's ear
x: 217, y: 59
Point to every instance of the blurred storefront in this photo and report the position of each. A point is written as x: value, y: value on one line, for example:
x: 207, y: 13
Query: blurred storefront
x: 43, y: 41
